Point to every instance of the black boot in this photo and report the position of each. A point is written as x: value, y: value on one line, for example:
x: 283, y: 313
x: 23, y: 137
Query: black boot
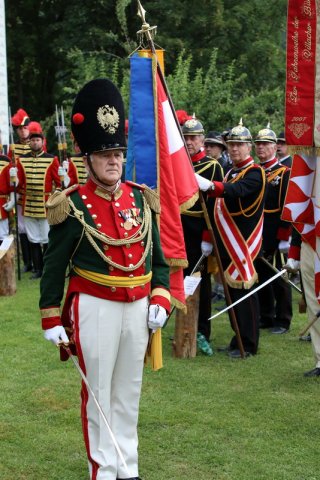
x: 26, y: 252
x: 37, y: 260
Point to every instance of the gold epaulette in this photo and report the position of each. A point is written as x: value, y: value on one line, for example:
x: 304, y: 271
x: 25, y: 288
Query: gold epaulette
x: 58, y: 207
x: 151, y: 196
x: 152, y: 199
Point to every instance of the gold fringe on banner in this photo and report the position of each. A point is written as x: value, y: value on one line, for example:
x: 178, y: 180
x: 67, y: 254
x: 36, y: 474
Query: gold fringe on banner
x: 303, y: 150
x: 189, y: 203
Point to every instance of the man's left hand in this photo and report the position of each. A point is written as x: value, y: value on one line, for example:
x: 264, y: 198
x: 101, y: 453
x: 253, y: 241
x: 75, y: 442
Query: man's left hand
x: 157, y: 317
x: 206, y: 248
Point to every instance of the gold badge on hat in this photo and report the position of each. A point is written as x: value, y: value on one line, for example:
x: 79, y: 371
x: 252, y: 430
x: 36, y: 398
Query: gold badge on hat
x: 108, y: 117
x: 191, y: 123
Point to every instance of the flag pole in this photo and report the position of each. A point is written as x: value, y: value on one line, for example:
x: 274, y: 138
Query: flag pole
x: 148, y: 32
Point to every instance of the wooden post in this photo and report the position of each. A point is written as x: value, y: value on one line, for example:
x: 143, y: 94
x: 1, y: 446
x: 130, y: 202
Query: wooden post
x: 7, y: 267
x: 186, y: 328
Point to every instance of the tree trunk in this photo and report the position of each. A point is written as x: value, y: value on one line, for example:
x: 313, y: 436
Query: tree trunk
x: 7, y: 268
x: 186, y: 327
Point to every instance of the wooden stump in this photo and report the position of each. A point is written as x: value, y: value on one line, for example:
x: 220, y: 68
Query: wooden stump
x: 186, y: 327
x: 7, y: 267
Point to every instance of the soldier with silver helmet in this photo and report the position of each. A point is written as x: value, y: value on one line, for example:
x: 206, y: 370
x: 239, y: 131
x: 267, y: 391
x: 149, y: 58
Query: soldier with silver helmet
x: 238, y: 220
x: 275, y: 298
x: 196, y: 234
x: 118, y: 282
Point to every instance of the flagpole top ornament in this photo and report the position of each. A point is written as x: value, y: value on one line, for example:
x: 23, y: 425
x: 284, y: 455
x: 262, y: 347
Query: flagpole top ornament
x: 146, y: 29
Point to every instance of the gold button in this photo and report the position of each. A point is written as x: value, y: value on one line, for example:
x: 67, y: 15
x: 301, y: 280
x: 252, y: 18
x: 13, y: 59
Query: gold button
x: 99, y: 225
x: 128, y: 245
x: 89, y: 205
x: 125, y: 234
x: 133, y: 204
x: 117, y: 204
x: 94, y: 216
x: 109, y: 256
x: 130, y: 265
x: 131, y: 194
x: 84, y: 197
x: 121, y: 225
x: 131, y: 288
x: 106, y: 247
x: 113, y: 289
x: 131, y: 275
x: 130, y: 255
x: 142, y: 243
x: 111, y: 268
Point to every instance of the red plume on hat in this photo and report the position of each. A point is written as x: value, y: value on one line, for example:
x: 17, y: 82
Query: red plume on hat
x: 35, y: 130
x: 20, y: 118
x: 182, y: 116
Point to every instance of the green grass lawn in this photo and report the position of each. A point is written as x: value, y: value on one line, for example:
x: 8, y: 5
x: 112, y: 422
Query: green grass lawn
x: 208, y: 418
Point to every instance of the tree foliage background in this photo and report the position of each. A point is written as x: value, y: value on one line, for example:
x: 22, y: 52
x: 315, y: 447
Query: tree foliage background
x: 225, y: 59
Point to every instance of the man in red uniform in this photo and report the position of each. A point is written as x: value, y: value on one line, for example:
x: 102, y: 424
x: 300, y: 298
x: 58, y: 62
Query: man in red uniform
x: 20, y: 121
x: 119, y: 280
x: 37, y: 172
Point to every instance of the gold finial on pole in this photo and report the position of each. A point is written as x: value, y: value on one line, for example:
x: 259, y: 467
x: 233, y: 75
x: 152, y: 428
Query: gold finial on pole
x: 146, y: 30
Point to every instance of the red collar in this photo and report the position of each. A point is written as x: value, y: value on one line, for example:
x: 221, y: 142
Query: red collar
x: 198, y: 156
x: 269, y: 163
x: 245, y: 163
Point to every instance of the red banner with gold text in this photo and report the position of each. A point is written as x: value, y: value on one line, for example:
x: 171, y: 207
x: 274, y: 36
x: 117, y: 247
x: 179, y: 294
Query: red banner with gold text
x: 301, y: 72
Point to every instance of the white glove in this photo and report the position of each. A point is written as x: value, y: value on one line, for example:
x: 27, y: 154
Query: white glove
x: 56, y: 335
x: 206, y: 248
x: 10, y: 204
x: 292, y: 265
x: 65, y: 165
x: 13, y: 172
x: 62, y: 172
x: 284, y: 246
x: 203, y: 183
x: 157, y: 317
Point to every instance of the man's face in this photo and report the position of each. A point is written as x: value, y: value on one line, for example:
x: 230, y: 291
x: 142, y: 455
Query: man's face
x: 238, y: 151
x: 36, y: 144
x: 194, y: 143
x: 107, y: 166
x: 265, y: 150
x: 23, y: 133
x: 213, y: 150
x: 282, y: 149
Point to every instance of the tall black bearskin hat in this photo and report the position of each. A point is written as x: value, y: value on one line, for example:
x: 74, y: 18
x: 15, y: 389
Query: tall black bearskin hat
x: 98, y: 120
x: 266, y: 135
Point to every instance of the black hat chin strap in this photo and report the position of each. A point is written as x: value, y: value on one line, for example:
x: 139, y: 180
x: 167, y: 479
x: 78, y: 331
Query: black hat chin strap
x: 97, y: 181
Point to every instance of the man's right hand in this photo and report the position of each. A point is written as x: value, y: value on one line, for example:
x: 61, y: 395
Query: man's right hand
x: 292, y: 265
x: 56, y: 335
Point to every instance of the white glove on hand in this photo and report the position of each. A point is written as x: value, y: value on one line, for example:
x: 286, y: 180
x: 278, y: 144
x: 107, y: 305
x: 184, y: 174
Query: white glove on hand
x: 10, y: 204
x: 65, y: 165
x: 203, y: 183
x: 284, y: 246
x: 157, y: 317
x: 13, y: 172
x: 206, y: 248
x: 292, y: 265
x: 56, y: 335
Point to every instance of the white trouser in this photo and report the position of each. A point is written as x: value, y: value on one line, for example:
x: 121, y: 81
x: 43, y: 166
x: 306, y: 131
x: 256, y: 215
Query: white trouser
x: 37, y: 229
x: 113, y: 338
x: 4, y: 228
x: 307, y: 273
